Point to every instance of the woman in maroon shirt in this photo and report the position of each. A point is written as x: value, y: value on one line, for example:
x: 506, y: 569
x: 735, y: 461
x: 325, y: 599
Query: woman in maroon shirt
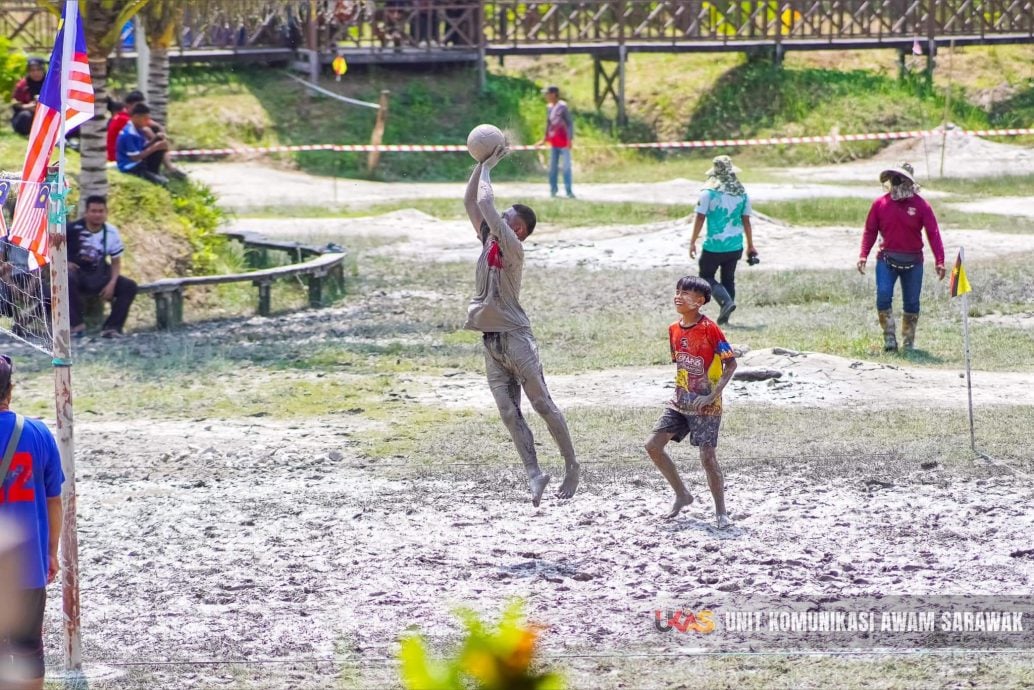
x: 898, y: 218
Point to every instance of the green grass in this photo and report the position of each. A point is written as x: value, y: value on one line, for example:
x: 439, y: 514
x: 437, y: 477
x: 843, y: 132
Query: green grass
x: 1003, y: 185
x: 728, y: 97
x: 852, y: 211
x: 584, y: 321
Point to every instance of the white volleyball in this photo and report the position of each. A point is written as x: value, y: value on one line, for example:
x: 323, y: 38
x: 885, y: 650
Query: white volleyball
x: 483, y: 140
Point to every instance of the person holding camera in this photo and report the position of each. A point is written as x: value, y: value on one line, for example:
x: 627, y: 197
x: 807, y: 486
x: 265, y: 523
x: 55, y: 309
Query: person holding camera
x: 726, y: 208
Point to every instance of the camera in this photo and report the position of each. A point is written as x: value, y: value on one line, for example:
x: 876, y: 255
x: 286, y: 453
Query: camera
x: 752, y: 259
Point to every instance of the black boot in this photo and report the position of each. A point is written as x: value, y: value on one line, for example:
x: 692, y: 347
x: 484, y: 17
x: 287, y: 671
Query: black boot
x: 725, y: 301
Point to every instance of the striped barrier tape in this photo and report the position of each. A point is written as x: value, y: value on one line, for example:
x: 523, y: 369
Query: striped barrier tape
x: 697, y: 144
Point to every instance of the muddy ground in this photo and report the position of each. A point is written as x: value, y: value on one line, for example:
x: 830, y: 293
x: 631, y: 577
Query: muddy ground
x: 255, y: 539
x: 279, y: 544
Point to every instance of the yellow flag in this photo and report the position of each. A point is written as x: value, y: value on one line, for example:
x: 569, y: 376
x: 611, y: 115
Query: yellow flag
x: 959, y: 283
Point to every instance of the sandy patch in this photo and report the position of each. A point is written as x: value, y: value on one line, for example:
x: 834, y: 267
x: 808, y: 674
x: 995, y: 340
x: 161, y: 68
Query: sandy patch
x: 1003, y: 205
x: 655, y: 245
x: 1021, y: 320
x: 964, y: 156
x: 809, y: 379
x: 241, y: 186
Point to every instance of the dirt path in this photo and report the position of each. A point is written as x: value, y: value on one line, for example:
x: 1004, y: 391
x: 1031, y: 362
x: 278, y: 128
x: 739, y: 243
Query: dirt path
x: 242, y: 186
x: 964, y: 157
x: 655, y: 245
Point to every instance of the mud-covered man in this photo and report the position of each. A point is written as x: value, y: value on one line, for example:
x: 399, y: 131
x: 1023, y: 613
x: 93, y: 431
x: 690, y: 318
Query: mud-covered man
x: 511, y: 353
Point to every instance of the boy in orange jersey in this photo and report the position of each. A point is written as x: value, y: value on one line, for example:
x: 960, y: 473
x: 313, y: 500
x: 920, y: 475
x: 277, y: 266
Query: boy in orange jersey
x: 704, y: 364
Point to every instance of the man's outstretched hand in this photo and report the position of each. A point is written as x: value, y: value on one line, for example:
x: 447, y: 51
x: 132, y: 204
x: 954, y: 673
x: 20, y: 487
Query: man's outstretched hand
x: 500, y: 153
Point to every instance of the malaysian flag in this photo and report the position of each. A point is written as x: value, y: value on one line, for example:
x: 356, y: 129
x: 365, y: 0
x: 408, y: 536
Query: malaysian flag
x: 29, y: 224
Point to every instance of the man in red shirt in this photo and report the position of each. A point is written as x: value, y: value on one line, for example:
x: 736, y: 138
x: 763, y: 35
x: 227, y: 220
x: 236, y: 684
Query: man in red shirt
x: 704, y: 364
x: 899, y: 218
x: 560, y: 136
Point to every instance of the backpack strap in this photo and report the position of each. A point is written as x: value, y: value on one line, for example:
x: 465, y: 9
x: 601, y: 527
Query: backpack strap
x: 12, y: 445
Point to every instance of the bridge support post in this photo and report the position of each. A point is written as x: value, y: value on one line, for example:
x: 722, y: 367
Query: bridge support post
x: 603, y: 84
x: 622, y: 58
x: 482, y: 75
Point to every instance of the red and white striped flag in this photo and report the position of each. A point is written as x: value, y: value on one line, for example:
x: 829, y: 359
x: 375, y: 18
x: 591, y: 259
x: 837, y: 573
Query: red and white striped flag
x: 29, y: 225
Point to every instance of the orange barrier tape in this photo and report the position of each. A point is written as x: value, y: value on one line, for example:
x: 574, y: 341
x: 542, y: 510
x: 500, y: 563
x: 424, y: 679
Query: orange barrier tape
x: 697, y: 144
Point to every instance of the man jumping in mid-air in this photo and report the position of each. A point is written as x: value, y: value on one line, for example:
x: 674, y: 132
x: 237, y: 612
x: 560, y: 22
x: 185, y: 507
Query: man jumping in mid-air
x: 511, y: 354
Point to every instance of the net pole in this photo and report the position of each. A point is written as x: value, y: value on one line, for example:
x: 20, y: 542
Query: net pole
x: 62, y: 360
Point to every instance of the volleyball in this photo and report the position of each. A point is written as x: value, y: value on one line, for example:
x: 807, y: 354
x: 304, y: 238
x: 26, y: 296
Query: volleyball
x: 483, y: 140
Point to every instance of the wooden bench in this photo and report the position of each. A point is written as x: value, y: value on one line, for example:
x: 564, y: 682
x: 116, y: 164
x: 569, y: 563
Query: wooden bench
x: 168, y: 292
x: 257, y: 248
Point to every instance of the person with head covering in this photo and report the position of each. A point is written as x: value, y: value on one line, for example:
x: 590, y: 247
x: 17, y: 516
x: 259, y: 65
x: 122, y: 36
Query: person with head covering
x: 26, y: 95
x: 898, y: 218
x: 726, y: 208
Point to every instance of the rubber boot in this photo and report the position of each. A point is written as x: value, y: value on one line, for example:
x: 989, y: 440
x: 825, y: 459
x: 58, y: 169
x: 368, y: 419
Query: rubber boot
x: 725, y: 301
x: 890, y: 340
x: 908, y: 329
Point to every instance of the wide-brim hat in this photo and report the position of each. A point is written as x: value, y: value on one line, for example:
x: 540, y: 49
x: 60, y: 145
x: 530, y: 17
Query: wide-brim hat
x: 904, y: 170
x: 721, y: 162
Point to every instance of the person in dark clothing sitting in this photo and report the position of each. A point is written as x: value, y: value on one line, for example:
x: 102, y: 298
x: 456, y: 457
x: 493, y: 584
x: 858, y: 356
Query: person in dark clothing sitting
x: 91, y: 242
x: 26, y: 96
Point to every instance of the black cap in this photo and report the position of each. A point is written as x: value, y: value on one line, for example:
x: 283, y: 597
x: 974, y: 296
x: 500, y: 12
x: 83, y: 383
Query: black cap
x: 552, y: 88
x: 36, y: 61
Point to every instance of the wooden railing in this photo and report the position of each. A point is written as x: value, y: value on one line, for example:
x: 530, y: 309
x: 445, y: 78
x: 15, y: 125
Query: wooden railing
x: 499, y: 25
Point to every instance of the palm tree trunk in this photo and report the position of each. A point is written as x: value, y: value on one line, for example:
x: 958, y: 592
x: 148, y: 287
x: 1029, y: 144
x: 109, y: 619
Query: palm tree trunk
x: 158, y: 84
x: 93, y: 142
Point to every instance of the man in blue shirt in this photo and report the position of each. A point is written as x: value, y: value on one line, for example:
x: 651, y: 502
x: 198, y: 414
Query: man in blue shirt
x: 30, y: 497
x: 135, y: 153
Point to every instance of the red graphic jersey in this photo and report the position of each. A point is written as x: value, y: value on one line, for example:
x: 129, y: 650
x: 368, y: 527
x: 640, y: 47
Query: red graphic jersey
x: 698, y: 352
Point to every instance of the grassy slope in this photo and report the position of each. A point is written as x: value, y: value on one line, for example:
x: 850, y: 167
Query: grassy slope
x: 669, y: 97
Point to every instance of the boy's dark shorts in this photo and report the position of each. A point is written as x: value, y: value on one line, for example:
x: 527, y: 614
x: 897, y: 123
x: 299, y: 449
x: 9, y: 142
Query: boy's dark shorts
x: 701, y: 429
x: 25, y: 643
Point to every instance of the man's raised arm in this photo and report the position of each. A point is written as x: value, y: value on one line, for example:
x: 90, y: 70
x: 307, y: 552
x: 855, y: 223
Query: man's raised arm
x: 470, y: 200
x: 508, y: 240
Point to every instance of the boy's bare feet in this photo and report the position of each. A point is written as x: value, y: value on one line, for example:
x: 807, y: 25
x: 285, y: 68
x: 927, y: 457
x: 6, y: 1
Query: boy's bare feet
x: 538, y: 486
x: 570, y: 483
x: 681, y: 501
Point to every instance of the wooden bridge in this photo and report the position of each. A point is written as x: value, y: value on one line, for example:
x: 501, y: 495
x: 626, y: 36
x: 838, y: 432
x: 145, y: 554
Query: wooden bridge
x: 405, y: 30
x: 422, y: 32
